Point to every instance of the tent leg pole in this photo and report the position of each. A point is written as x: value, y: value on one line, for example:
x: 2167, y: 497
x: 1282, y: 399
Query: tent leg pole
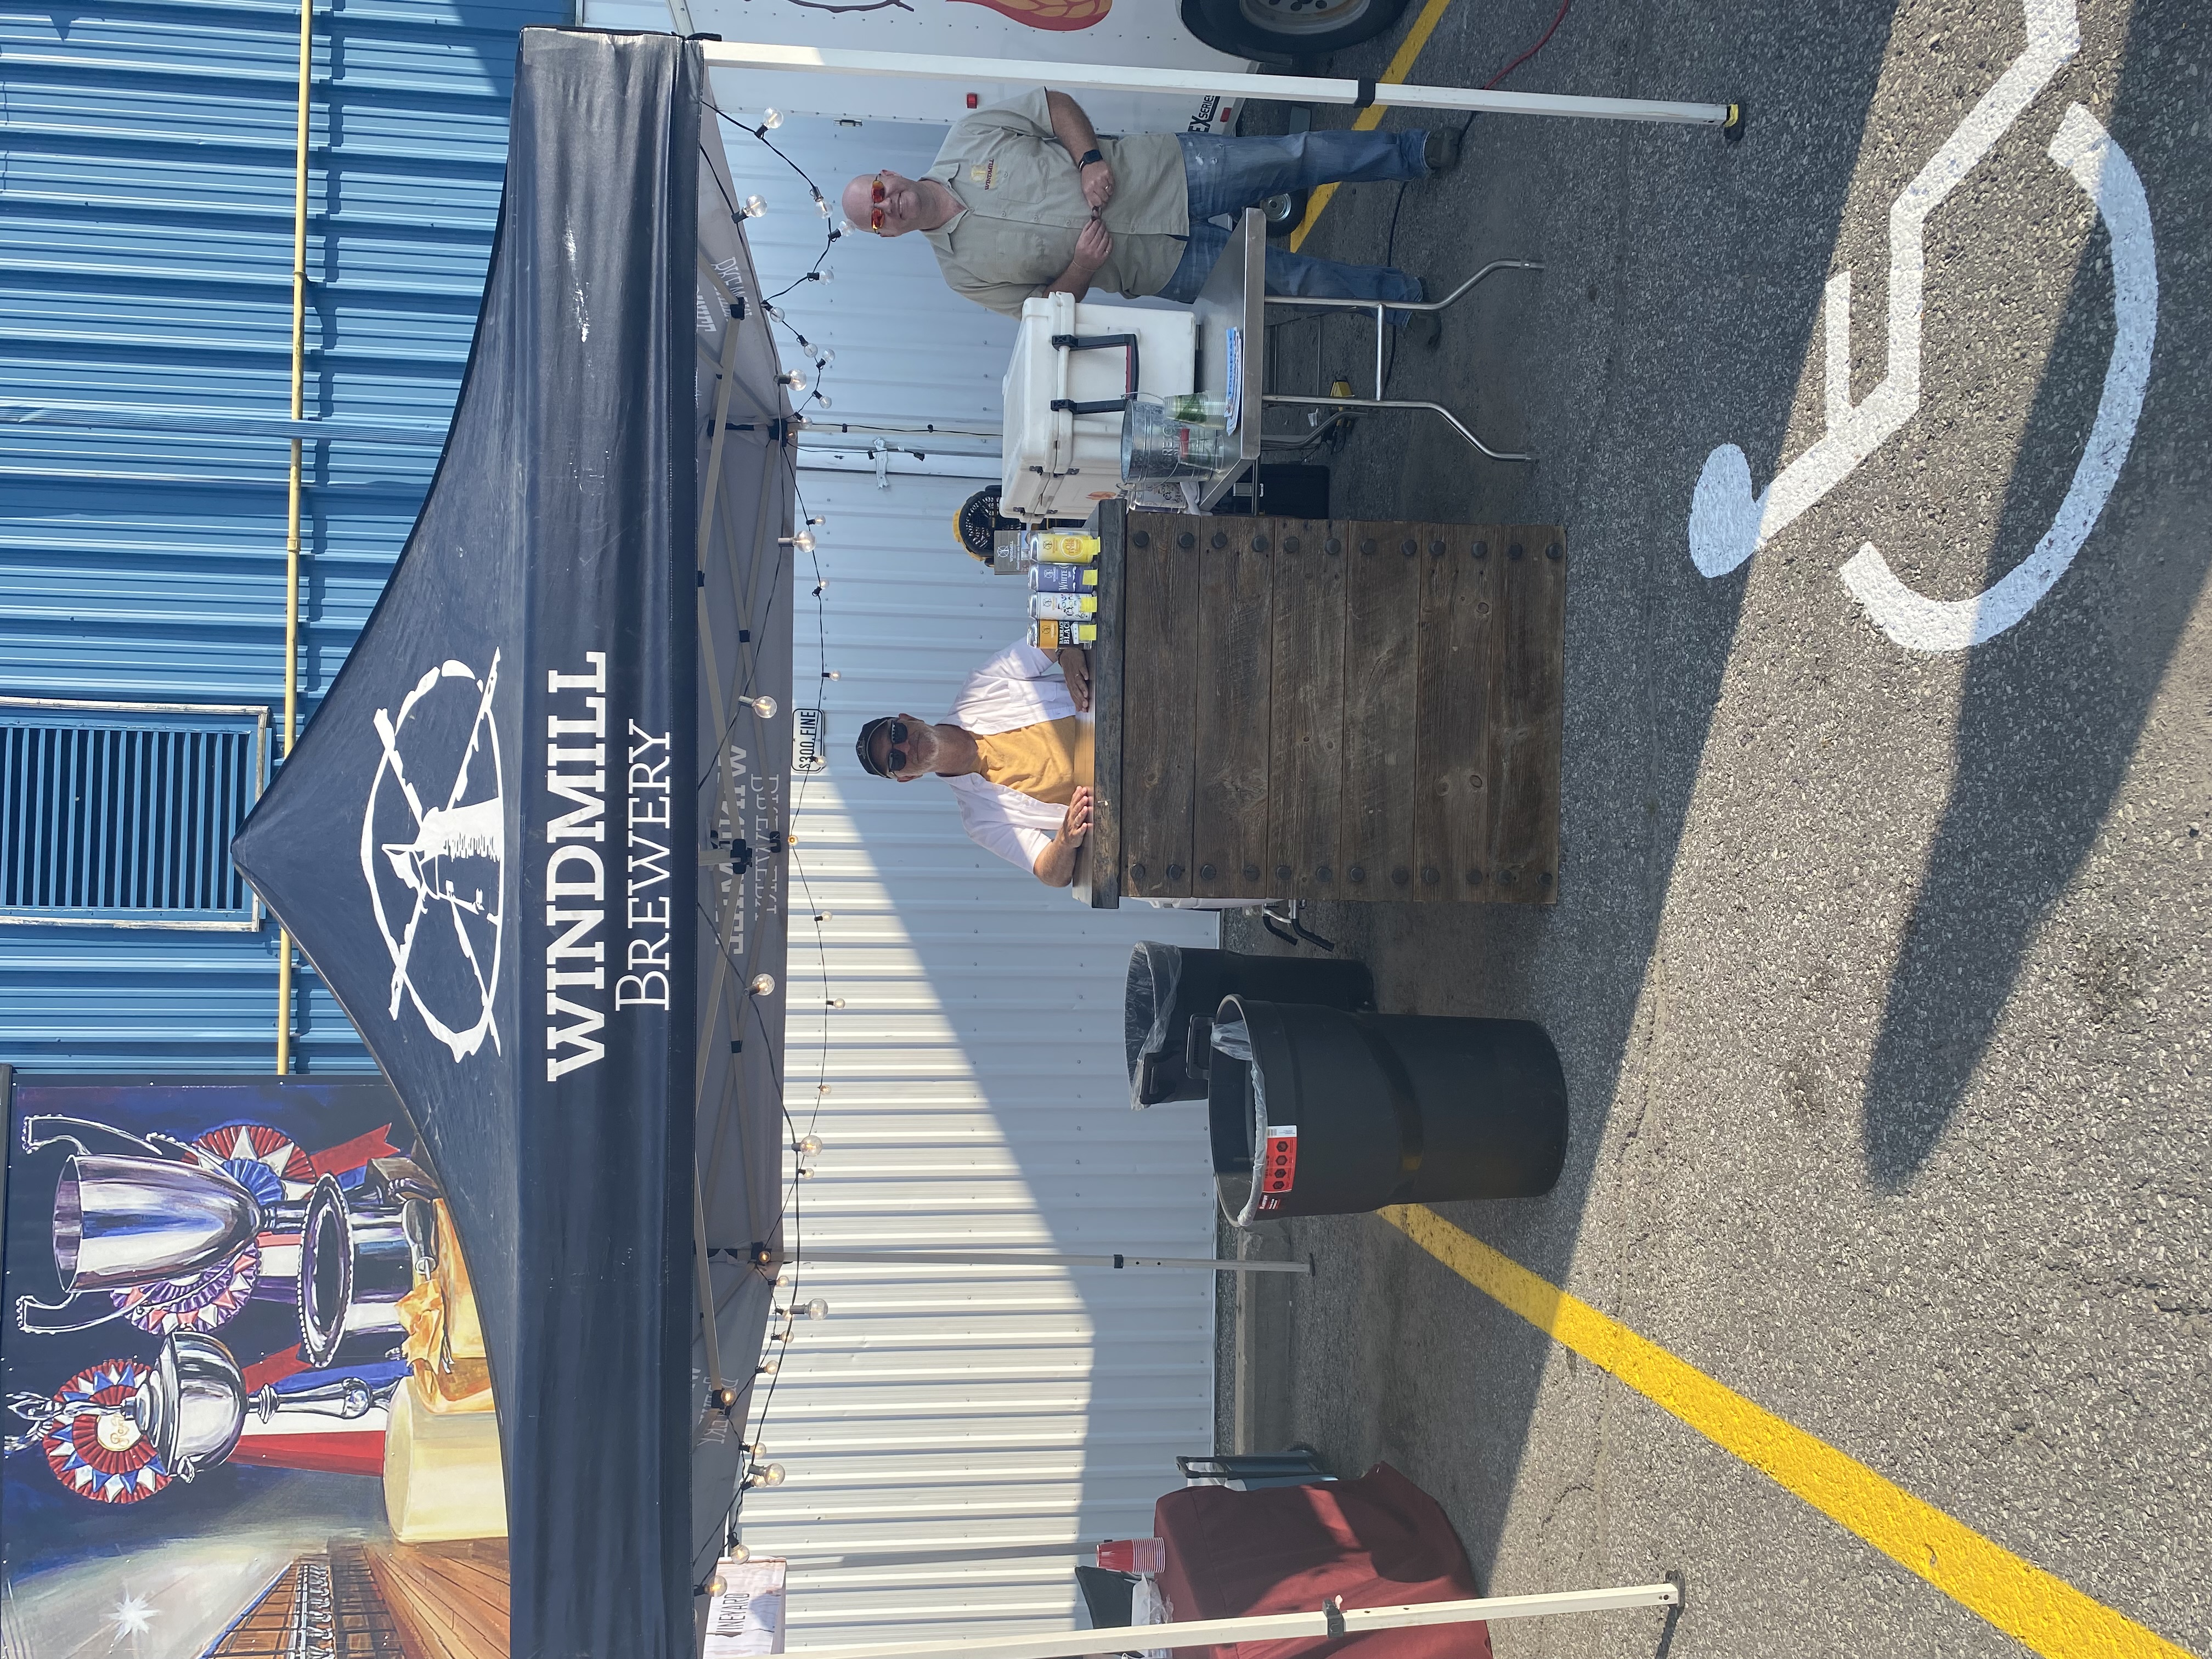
x: 1330, y: 1621
x: 1074, y: 77
x: 1046, y: 1259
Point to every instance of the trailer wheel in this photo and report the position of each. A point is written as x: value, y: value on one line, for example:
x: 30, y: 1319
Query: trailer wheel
x: 1288, y: 29
x: 1284, y: 213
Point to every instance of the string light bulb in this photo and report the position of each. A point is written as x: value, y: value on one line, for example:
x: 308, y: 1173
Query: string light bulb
x: 824, y: 275
x: 820, y: 204
x: 765, y: 1474
x: 764, y: 985
x: 811, y: 1144
x: 822, y: 398
x: 818, y: 519
x: 763, y: 705
x: 791, y: 378
x: 818, y: 1309
x: 754, y: 206
x: 769, y: 1367
x: 771, y: 119
x: 716, y: 1585
x: 804, y: 541
x: 737, y: 1554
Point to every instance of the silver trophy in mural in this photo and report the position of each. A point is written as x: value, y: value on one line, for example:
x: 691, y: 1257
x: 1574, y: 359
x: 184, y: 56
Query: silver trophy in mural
x: 145, y: 1229
x: 193, y: 1407
x: 123, y: 1430
x: 357, y: 1260
x: 178, y: 1236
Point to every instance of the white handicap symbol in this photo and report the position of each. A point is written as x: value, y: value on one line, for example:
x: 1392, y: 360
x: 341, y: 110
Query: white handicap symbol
x: 1729, y: 524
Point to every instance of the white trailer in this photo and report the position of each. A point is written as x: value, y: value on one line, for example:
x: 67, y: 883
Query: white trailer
x: 1195, y: 36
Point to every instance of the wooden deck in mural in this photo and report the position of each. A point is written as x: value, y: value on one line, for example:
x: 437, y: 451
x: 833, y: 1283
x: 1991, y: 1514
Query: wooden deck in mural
x: 357, y: 1600
x: 448, y: 1600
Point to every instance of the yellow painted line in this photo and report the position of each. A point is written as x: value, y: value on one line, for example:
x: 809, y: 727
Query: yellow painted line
x: 1402, y: 64
x: 2046, y: 1614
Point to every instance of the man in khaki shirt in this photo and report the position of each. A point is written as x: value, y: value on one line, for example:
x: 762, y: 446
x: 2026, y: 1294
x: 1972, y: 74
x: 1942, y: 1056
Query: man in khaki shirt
x: 1026, y: 199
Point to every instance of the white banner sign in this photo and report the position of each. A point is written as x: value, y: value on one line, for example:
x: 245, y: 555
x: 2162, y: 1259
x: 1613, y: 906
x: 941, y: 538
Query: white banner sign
x: 746, y: 1617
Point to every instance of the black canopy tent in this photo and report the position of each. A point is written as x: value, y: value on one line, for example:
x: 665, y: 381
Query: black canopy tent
x: 532, y: 839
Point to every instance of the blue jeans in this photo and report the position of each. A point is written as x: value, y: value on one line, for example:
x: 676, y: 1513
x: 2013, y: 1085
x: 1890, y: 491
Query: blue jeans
x: 1227, y: 176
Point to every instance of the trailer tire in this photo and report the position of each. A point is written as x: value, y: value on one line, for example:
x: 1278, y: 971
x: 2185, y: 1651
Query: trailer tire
x: 1284, y: 30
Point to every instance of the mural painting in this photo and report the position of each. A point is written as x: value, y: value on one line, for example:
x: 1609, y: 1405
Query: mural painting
x: 248, y: 1409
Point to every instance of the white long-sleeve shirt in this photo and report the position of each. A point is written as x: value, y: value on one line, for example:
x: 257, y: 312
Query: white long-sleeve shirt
x: 1021, y: 686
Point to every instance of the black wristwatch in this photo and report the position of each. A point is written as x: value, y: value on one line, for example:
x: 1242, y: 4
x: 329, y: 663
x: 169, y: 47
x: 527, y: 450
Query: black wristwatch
x: 1087, y: 158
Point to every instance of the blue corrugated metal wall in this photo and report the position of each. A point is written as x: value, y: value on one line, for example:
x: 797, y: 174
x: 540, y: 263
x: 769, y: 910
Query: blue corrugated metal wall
x: 146, y: 155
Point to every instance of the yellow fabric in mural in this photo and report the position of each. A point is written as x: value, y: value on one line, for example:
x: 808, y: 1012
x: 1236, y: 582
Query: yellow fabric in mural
x: 1044, y: 761
x: 445, y: 1342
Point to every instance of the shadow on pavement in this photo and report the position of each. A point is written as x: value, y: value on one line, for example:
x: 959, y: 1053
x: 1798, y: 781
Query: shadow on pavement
x: 1682, y: 285
x: 2051, y: 708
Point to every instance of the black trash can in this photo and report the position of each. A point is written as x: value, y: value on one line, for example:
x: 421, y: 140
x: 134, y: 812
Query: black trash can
x: 1318, y: 1111
x: 1169, y: 985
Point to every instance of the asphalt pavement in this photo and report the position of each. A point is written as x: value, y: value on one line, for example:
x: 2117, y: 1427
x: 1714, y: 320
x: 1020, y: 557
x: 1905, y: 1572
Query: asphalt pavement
x: 1880, y: 972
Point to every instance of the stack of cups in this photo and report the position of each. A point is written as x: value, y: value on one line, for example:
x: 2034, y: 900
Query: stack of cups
x: 1138, y: 1555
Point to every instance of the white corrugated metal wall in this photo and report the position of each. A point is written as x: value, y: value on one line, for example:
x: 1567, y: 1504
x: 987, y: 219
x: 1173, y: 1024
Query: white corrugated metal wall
x: 950, y: 1435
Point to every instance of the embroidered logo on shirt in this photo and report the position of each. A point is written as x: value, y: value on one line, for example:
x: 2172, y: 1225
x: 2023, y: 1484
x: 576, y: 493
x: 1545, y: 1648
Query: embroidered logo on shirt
x: 985, y: 175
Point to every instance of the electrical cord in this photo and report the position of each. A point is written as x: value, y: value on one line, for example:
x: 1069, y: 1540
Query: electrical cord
x: 1390, y: 241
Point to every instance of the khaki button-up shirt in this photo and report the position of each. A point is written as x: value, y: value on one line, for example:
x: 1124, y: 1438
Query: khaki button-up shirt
x: 1023, y: 208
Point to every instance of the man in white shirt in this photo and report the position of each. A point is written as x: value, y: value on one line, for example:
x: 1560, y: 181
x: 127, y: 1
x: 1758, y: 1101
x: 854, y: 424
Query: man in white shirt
x: 1015, y: 750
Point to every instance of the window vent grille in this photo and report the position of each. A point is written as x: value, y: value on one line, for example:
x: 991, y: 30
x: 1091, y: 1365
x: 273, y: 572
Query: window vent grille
x: 121, y: 814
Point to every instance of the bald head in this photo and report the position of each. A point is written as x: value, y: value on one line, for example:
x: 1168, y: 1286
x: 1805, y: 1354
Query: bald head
x: 905, y: 204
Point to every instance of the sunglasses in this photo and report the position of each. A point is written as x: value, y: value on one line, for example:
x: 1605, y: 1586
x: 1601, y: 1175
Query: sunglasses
x: 897, y: 733
x: 876, y: 195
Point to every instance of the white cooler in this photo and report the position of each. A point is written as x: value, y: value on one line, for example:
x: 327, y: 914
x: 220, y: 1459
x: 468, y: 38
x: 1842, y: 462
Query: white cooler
x: 1056, y: 462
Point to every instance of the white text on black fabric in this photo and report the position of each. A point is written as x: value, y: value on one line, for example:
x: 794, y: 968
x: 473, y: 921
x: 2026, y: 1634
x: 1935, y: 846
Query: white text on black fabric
x: 575, y: 874
x: 646, y: 983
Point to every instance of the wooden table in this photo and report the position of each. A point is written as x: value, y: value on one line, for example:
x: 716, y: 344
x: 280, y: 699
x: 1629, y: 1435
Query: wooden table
x: 1340, y: 709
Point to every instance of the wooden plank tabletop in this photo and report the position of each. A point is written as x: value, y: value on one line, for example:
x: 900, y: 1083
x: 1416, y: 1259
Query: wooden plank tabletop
x: 1341, y: 710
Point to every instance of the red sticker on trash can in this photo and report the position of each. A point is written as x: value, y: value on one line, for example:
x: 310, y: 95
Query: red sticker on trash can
x: 1279, y: 1167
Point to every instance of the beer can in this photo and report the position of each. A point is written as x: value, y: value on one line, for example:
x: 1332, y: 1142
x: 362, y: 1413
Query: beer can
x: 1048, y: 635
x: 1067, y: 607
x: 1062, y: 578
x: 1063, y: 547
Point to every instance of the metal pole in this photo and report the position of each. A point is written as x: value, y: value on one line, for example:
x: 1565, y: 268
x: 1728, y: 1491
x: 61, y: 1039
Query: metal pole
x: 1049, y: 1259
x: 1289, y: 88
x: 1268, y: 1627
x: 292, y: 490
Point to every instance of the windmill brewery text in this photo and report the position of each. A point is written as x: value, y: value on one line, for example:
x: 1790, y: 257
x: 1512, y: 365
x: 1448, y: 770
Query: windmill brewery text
x: 577, y: 968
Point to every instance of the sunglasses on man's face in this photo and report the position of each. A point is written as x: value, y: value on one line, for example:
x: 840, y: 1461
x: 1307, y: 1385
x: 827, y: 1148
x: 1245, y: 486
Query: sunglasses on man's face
x: 897, y: 733
x: 877, y: 192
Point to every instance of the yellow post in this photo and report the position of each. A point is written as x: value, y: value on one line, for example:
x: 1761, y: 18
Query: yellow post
x: 292, y: 494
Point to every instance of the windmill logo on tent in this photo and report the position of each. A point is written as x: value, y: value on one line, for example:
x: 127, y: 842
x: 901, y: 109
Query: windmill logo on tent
x: 434, y: 853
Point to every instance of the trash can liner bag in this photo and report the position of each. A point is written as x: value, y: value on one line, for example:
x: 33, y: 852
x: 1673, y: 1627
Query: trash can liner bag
x: 1167, y: 986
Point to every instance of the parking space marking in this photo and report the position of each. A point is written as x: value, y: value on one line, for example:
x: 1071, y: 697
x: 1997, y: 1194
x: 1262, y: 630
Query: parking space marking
x: 2034, y: 1608
x: 1917, y: 622
x: 1402, y: 64
x: 1729, y: 523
